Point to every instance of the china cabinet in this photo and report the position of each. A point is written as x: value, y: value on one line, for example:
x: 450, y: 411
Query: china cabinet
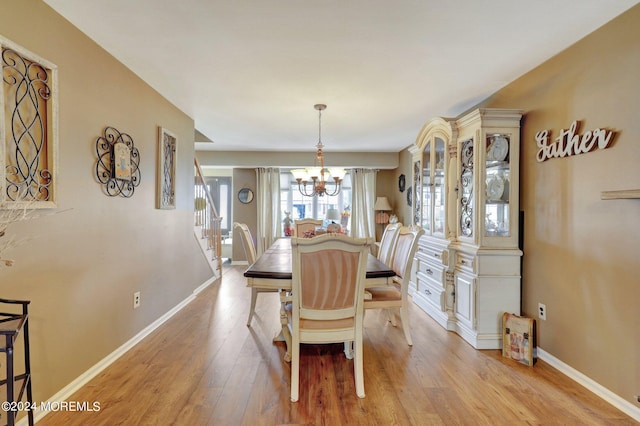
x: 467, y: 268
x: 434, y: 165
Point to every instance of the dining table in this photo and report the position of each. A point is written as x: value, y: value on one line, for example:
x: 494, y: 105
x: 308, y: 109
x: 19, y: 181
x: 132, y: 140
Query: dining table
x: 272, y: 270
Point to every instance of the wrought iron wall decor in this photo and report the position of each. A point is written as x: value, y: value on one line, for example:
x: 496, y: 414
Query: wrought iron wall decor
x: 401, y: 183
x: 28, y: 128
x: 118, y: 163
x: 166, y: 182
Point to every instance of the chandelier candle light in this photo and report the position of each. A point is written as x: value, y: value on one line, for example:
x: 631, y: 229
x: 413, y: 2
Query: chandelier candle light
x: 317, y: 175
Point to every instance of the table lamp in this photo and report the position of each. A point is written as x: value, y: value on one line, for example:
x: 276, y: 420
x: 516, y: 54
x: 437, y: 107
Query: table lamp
x: 333, y: 217
x: 382, y: 206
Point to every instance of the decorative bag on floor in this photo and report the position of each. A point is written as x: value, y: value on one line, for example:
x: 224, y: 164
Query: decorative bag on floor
x: 518, y: 338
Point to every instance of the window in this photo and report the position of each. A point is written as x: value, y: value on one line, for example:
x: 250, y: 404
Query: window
x: 220, y: 189
x: 28, y: 128
x: 300, y: 207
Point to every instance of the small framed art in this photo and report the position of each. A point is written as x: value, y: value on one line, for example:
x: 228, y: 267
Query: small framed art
x: 518, y: 338
x: 166, y: 177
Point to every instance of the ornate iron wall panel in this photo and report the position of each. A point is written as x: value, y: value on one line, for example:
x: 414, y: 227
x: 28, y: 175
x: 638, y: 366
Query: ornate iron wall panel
x: 166, y: 185
x: 28, y: 128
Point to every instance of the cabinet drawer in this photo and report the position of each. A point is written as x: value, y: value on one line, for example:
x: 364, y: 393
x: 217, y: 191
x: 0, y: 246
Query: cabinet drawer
x: 431, y: 294
x: 434, y: 254
x: 431, y: 270
x: 435, y: 281
x: 465, y: 262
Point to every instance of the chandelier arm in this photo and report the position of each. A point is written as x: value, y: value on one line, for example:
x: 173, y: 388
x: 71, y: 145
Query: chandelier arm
x: 336, y: 190
x: 303, y: 189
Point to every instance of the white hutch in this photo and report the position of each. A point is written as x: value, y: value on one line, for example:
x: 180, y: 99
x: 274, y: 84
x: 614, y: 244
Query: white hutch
x: 466, y: 273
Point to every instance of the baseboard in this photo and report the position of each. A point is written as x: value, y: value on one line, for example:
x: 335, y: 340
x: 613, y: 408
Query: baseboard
x: 239, y: 262
x: 604, y: 393
x: 85, y: 377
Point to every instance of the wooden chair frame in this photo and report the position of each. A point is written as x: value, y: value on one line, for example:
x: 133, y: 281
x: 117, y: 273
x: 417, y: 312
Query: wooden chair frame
x: 387, y: 242
x: 327, y: 291
x: 250, y: 252
x: 392, y: 297
x: 303, y: 225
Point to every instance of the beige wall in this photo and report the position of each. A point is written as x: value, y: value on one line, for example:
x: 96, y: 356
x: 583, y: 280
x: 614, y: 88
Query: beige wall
x: 244, y: 213
x: 387, y: 186
x: 580, y: 252
x: 81, y: 267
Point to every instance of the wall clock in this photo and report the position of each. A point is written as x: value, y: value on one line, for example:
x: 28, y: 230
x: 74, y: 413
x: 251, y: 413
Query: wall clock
x: 245, y: 195
x: 401, y: 183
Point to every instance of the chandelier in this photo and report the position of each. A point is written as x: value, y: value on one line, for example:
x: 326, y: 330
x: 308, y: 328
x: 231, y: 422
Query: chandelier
x: 313, y: 181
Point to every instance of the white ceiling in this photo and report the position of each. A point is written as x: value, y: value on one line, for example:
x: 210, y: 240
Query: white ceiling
x: 249, y: 71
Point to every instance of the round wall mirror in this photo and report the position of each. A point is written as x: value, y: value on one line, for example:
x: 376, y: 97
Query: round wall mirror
x: 245, y: 195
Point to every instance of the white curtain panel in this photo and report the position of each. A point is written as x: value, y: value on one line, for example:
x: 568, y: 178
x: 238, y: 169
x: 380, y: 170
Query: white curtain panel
x: 268, y: 208
x: 363, y: 187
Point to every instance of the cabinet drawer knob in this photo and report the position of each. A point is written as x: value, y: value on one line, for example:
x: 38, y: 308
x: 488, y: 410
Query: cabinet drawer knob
x: 429, y: 271
x: 463, y: 262
x: 427, y: 292
x: 436, y: 255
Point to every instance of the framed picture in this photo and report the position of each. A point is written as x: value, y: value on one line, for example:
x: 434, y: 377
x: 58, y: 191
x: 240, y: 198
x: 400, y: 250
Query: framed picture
x: 122, y: 160
x: 518, y: 338
x: 166, y: 178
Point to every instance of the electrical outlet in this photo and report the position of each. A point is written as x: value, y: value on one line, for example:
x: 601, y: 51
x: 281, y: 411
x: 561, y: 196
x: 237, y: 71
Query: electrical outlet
x: 136, y: 299
x: 542, y: 311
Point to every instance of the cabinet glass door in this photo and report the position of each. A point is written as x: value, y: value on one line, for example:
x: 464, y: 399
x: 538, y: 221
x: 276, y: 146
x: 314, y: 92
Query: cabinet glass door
x: 466, y: 189
x: 426, y: 196
x: 438, y: 187
x: 498, y: 172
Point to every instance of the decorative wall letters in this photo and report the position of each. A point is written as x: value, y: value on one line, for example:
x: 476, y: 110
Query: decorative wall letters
x: 569, y: 142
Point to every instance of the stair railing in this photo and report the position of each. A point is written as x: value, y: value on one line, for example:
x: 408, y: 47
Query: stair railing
x: 206, y: 217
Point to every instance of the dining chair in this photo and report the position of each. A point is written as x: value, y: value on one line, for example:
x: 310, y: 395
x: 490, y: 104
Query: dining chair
x: 396, y: 295
x: 306, y: 225
x: 387, y: 242
x: 327, y: 290
x: 250, y: 253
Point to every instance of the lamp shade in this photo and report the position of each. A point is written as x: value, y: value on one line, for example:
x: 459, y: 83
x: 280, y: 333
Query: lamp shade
x: 314, y: 172
x: 300, y: 174
x: 337, y: 173
x: 333, y: 214
x: 382, y: 204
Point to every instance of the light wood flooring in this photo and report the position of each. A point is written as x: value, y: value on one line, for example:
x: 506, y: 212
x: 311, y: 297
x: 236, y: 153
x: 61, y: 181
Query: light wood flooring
x: 206, y: 367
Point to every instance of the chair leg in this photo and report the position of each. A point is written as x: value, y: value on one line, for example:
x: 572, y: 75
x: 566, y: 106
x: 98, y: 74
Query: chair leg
x: 254, y: 297
x: 295, y: 369
x: 404, y: 316
x: 348, y: 349
x: 391, y: 317
x: 358, y: 366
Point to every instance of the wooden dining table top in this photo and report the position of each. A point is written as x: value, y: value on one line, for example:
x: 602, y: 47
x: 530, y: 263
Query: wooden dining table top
x: 275, y: 264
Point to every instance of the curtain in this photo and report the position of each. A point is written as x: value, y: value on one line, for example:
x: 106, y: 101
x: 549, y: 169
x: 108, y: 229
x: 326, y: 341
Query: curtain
x: 268, y: 208
x: 363, y: 193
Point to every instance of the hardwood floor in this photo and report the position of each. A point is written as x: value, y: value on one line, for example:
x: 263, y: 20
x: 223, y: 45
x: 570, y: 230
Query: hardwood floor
x: 206, y: 367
